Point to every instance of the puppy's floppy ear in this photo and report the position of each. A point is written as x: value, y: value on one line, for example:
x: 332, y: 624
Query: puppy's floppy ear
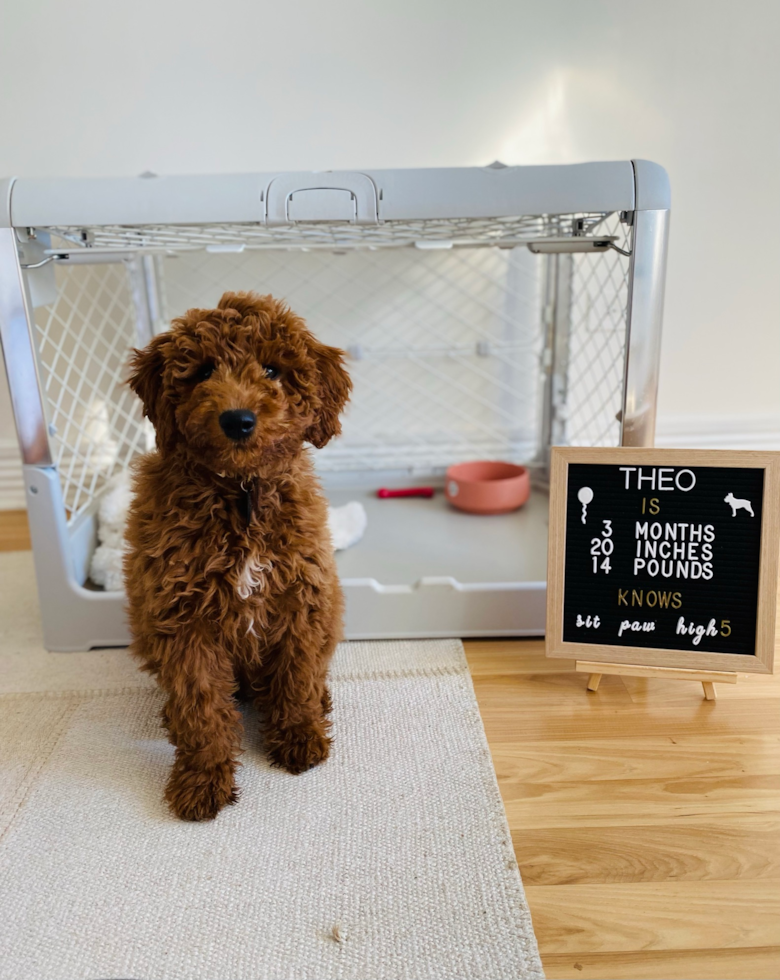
x: 146, y: 381
x: 334, y: 387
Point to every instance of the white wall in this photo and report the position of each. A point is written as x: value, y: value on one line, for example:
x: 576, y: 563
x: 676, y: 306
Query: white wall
x: 89, y: 87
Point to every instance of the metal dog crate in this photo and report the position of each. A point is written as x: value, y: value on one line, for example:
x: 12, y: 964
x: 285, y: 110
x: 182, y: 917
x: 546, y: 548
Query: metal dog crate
x: 488, y: 313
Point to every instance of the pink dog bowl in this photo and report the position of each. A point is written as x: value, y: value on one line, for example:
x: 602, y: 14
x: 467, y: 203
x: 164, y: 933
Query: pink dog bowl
x: 486, y: 487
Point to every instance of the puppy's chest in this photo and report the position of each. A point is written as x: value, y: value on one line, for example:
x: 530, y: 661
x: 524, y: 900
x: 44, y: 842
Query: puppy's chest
x: 262, y: 564
x: 259, y: 567
x: 251, y: 575
x: 251, y: 561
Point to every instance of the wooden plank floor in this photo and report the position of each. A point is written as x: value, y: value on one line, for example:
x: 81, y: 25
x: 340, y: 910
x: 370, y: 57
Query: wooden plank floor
x: 646, y: 821
x: 14, y: 532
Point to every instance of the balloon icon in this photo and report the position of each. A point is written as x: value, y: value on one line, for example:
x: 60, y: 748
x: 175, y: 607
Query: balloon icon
x: 584, y: 495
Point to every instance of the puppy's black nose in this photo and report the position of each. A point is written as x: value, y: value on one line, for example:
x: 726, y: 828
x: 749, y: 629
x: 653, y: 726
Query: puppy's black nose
x: 238, y: 423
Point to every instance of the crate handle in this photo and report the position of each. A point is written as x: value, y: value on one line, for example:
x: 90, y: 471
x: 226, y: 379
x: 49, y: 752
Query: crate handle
x: 359, y: 186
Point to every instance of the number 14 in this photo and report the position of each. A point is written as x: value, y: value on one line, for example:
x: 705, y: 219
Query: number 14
x: 602, y: 546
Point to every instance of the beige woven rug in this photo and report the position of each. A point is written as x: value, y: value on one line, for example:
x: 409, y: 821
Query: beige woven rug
x: 393, y: 860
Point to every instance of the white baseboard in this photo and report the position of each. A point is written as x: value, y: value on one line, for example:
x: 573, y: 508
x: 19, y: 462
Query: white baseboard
x: 11, y: 481
x: 713, y: 432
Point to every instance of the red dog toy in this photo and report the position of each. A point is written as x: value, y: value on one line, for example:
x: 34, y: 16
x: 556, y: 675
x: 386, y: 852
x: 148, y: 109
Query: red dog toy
x: 408, y: 492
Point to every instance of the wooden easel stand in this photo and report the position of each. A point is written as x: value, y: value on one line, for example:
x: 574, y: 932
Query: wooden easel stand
x: 708, y: 678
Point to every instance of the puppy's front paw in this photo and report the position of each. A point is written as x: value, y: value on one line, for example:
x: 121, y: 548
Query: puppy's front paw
x: 298, y: 748
x: 199, y: 794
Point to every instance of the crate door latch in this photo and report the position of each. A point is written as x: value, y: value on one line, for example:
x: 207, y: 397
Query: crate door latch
x: 332, y: 196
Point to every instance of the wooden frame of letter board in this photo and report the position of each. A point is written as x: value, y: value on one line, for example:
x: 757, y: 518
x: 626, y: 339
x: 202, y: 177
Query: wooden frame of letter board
x: 763, y: 660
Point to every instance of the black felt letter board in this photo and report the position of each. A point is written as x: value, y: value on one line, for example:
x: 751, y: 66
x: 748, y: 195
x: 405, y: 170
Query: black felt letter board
x: 663, y: 556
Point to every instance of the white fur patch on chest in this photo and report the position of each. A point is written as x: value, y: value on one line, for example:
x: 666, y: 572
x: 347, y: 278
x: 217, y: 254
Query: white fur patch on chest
x: 252, y: 577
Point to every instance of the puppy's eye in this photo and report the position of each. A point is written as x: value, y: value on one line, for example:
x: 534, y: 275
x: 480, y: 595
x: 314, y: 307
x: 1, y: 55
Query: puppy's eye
x: 203, y: 373
x: 271, y: 371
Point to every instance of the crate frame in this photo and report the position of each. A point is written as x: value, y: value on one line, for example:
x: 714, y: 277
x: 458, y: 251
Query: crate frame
x: 136, y: 220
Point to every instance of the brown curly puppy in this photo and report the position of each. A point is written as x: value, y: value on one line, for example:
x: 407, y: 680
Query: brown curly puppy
x: 230, y: 571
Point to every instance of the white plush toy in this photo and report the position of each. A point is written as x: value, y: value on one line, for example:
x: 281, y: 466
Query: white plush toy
x: 347, y: 525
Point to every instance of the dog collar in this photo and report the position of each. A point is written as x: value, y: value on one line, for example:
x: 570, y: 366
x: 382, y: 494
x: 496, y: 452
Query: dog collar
x: 245, y: 503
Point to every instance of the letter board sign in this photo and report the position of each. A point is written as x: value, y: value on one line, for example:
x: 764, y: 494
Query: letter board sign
x: 664, y: 557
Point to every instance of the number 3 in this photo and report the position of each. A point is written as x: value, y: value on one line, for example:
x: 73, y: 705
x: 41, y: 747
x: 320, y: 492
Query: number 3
x: 607, y: 532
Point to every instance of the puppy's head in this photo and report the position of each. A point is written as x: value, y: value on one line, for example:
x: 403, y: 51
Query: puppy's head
x: 240, y: 384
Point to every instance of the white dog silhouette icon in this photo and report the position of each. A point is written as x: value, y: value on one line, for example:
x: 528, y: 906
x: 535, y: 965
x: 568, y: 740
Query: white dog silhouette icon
x: 736, y: 504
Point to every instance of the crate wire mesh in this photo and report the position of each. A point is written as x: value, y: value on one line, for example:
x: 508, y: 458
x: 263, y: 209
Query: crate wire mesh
x: 95, y: 421
x: 443, y: 345
x: 457, y: 231
x: 597, y: 342
x: 447, y: 343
